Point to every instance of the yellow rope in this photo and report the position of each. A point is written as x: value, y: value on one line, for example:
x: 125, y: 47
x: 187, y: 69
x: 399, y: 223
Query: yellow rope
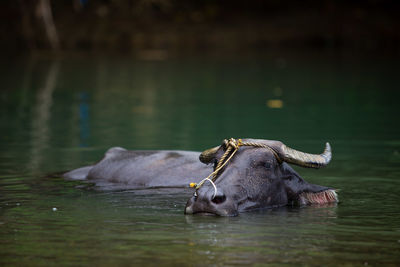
x: 263, y: 146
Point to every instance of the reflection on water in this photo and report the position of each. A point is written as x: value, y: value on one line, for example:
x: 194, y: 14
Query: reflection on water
x: 65, y: 114
x: 265, y: 236
x: 275, y: 103
x: 41, y: 116
x: 84, y: 120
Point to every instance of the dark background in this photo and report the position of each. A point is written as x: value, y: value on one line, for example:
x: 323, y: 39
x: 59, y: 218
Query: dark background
x: 155, y: 27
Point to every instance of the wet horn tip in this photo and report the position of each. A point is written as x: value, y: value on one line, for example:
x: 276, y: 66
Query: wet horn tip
x: 327, y: 154
x: 306, y: 159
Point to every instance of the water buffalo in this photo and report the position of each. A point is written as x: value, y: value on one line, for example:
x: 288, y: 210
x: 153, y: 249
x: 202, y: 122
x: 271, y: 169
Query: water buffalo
x: 239, y: 175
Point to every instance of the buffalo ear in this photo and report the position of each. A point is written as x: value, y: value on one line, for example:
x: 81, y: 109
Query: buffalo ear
x: 323, y: 197
x: 209, y: 155
x: 301, y: 192
x: 305, y: 193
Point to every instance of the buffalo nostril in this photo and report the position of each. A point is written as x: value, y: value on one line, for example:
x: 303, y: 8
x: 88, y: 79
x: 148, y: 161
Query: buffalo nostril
x: 219, y: 199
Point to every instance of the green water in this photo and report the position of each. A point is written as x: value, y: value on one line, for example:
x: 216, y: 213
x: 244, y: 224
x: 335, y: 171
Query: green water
x: 57, y: 115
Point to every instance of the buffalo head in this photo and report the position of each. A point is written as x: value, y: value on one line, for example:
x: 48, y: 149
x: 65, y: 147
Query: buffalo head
x: 257, y: 176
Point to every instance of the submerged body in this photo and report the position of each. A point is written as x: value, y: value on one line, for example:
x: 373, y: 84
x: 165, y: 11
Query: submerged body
x: 245, y: 175
x: 144, y: 169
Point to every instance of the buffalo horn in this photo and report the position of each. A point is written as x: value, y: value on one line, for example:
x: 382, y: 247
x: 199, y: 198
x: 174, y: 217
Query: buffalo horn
x: 305, y: 159
x: 208, y: 155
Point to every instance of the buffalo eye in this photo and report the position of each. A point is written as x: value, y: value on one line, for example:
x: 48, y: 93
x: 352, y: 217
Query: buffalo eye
x: 267, y: 165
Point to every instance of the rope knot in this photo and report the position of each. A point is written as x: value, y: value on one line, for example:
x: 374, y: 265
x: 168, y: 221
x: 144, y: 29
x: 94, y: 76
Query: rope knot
x: 234, y: 143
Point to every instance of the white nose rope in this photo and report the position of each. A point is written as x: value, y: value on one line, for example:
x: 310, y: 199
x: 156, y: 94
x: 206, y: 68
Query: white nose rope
x: 215, y: 187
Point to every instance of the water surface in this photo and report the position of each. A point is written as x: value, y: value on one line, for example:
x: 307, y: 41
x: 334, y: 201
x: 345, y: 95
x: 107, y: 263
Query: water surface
x: 56, y: 115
